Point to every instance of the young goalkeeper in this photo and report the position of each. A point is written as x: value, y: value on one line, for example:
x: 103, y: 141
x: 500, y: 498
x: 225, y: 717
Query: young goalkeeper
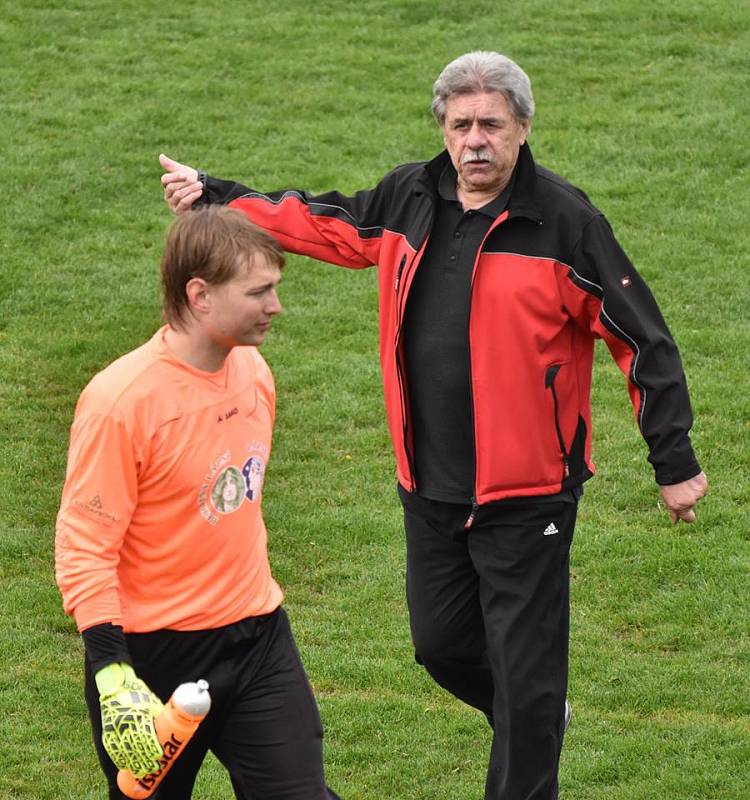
x: 161, y: 553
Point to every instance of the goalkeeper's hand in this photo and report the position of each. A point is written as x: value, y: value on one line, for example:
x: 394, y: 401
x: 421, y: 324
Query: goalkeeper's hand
x: 128, y: 711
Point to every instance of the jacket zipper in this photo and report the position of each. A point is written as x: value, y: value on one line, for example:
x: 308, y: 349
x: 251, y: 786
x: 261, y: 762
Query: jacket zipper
x: 472, y: 515
x: 400, y: 374
x: 549, y: 383
x: 474, y: 505
x: 399, y: 365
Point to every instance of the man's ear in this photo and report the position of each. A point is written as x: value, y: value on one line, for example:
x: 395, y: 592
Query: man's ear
x: 198, y: 295
x: 525, y: 130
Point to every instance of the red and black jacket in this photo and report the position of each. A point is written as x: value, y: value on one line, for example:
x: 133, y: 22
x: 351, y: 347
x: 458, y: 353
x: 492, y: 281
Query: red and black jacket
x: 548, y: 280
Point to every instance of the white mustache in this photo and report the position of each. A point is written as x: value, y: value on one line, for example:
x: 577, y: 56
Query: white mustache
x: 477, y: 155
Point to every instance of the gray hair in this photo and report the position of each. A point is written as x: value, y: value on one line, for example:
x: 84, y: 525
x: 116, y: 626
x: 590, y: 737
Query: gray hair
x: 484, y: 71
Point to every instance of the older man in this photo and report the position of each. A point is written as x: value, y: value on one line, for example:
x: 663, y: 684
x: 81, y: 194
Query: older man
x: 496, y: 277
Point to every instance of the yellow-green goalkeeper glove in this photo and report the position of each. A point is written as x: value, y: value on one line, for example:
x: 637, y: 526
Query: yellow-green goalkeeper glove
x: 128, y: 711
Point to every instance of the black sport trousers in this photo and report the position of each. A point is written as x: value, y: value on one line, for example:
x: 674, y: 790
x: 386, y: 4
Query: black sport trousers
x: 489, y: 620
x: 264, y: 724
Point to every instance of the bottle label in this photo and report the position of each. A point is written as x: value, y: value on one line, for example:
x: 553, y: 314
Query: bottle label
x: 172, y: 748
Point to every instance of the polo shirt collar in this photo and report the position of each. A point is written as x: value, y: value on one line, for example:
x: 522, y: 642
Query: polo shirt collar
x: 523, y: 196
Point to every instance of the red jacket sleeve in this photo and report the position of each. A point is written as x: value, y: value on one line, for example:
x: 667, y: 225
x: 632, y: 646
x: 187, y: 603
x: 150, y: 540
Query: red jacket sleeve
x: 332, y: 227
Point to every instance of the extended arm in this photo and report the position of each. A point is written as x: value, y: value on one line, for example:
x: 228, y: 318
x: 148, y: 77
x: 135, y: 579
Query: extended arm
x: 346, y: 230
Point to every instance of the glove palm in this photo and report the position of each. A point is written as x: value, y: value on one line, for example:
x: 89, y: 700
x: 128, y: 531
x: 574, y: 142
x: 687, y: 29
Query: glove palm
x: 128, y: 709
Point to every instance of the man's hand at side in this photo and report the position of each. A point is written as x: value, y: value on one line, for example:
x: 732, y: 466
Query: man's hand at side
x: 680, y: 498
x: 128, y: 711
x: 181, y: 185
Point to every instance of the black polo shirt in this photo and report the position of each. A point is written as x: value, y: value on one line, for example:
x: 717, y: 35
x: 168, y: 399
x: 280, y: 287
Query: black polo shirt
x: 436, y: 345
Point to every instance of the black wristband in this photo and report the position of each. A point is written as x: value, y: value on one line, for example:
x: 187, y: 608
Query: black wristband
x: 105, y: 644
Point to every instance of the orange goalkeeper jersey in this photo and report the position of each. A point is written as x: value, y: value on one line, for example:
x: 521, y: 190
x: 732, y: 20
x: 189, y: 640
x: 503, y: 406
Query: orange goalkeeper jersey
x: 160, y: 523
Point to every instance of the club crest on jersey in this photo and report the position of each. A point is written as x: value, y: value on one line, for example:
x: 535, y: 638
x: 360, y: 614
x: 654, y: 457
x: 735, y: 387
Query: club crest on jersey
x: 229, y: 490
x: 253, y: 472
x: 225, y: 486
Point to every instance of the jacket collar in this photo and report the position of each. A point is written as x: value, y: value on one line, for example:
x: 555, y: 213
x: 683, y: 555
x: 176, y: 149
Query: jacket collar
x: 524, y: 201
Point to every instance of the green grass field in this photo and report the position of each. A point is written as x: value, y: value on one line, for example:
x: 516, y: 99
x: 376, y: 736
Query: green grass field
x: 645, y: 105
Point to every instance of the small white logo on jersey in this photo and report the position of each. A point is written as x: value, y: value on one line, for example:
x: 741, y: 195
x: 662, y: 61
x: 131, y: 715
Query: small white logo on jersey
x: 551, y: 529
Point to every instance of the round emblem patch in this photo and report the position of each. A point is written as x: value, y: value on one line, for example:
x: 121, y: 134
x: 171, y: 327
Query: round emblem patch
x: 253, y: 470
x: 228, y: 491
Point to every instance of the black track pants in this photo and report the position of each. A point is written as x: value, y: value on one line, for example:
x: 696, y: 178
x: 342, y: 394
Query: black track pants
x: 489, y: 621
x: 264, y: 724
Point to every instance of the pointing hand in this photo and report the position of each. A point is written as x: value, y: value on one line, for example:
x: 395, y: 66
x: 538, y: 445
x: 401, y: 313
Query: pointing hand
x: 181, y: 185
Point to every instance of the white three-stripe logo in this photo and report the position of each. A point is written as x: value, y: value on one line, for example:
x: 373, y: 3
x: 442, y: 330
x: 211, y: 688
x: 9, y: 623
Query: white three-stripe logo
x: 550, y: 529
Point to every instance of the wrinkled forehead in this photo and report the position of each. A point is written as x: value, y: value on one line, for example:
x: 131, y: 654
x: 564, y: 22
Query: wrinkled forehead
x: 470, y: 105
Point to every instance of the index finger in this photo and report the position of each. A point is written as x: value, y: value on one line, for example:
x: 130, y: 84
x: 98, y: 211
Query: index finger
x: 174, y: 177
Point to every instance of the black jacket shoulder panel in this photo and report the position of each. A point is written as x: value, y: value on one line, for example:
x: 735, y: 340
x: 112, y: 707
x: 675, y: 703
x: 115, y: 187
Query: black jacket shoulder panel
x: 411, y: 201
x: 556, y: 186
